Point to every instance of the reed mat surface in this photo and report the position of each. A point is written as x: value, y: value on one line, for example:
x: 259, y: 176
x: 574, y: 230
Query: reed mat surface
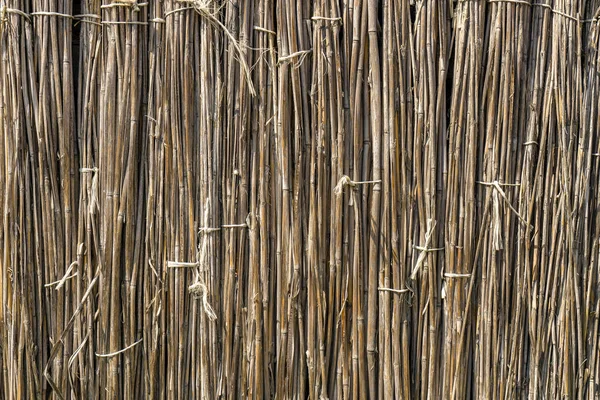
x: 326, y: 199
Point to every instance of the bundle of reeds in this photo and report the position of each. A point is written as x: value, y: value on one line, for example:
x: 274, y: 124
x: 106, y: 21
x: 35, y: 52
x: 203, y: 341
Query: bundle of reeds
x: 291, y: 199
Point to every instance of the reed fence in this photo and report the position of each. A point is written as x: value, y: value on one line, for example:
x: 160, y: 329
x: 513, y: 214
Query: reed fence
x: 300, y: 199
